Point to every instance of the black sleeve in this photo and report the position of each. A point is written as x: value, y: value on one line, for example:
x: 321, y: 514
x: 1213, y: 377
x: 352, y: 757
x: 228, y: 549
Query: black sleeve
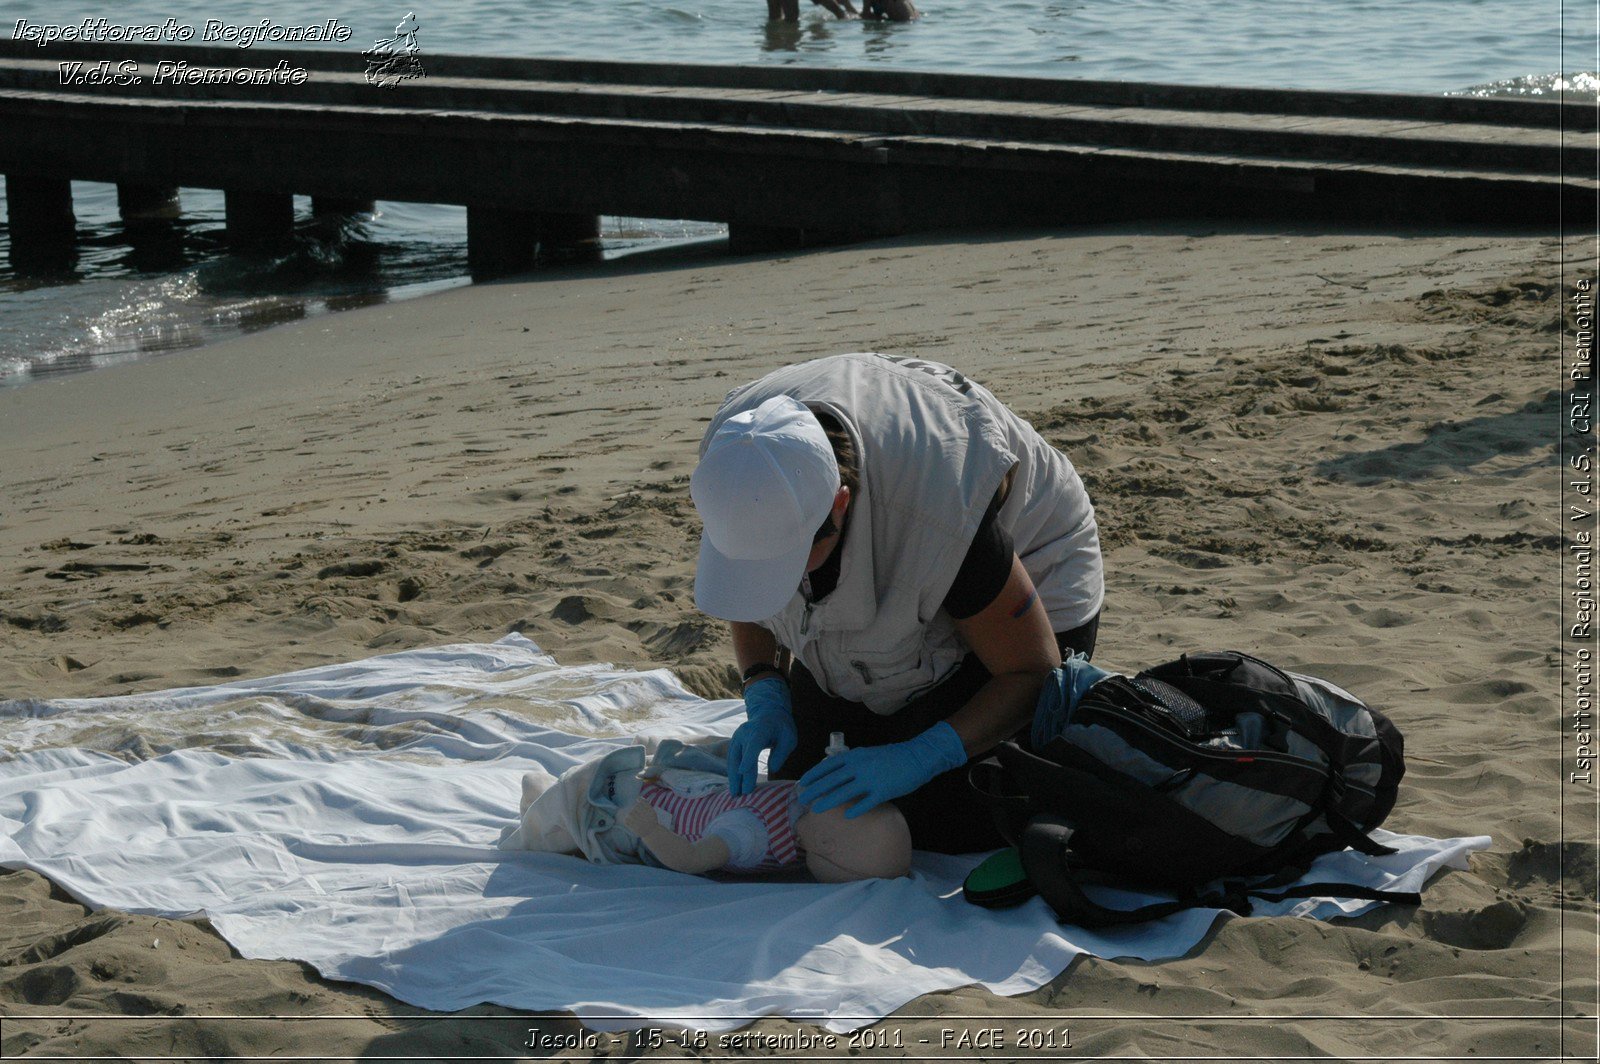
x: 985, y: 569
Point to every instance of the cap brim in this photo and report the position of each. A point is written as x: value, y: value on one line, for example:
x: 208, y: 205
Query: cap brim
x: 739, y: 590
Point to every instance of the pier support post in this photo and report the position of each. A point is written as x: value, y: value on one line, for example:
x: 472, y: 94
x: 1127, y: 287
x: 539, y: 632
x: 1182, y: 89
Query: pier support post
x: 340, y: 219
x: 500, y: 241
x: 43, y: 227
x: 569, y: 237
x: 258, y: 219
x: 325, y: 205
x: 745, y: 238
x: 144, y: 203
x: 148, y: 213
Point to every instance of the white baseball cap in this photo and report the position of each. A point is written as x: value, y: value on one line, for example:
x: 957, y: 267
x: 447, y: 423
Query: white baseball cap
x: 763, y: 487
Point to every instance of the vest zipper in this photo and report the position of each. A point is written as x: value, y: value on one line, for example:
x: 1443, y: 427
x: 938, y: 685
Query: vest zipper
x: 805, y: 592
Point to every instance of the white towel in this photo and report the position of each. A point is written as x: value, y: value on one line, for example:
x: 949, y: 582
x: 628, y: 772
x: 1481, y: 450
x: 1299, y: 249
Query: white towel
x: 347, y: 816
x: 558, y: 815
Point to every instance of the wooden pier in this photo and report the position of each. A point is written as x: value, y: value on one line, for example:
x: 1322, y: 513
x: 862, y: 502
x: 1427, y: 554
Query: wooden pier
x: 537, y: 149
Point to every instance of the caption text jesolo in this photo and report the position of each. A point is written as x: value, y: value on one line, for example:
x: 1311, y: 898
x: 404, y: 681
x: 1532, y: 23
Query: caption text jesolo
x: 867, y: 1038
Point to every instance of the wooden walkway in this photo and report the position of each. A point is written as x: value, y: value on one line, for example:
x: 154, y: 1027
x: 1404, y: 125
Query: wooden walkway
x: 785, y: 156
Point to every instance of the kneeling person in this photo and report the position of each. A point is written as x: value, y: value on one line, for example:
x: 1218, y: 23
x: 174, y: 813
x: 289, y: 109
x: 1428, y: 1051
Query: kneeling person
x: 904, y: 560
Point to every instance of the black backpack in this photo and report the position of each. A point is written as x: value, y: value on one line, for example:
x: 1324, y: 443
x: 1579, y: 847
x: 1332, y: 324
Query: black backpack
x: 1216, y: 770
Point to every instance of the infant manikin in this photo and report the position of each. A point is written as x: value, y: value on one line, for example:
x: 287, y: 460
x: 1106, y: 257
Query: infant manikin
x: 767, y: 830
x: 680, y: 814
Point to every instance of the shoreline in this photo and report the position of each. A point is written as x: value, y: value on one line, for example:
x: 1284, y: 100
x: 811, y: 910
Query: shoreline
x: 277, y: 299
x: 1331, y: 447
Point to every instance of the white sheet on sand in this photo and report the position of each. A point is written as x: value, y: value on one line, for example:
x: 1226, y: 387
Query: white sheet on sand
x: 347, y: 815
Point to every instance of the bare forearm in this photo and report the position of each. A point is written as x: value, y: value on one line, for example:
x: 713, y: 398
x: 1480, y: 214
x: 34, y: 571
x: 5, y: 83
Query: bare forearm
x: 752, y: 645
x: 1001, y: 707
x: 1012, y: 638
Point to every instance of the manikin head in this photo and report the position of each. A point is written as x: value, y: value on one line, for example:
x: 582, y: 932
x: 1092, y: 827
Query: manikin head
x: 874, y: 845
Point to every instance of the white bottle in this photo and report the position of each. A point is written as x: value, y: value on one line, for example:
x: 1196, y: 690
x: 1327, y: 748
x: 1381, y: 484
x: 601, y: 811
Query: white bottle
x: 835, y: 744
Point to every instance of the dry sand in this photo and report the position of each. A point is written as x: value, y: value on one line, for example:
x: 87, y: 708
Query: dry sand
x: 1337, y: 449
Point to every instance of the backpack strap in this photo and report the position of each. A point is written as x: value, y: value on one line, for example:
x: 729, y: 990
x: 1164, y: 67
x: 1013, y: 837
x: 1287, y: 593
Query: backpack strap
x: 1348, y: 832
x: 1340, y: 890
x: 1263, y: 889
x: 1060, y: 877
x: 1051, y: 784
x: 1009, y: 810
x: 1051, y: 867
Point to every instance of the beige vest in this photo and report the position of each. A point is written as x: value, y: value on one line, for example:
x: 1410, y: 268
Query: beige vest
x: 934, y: 447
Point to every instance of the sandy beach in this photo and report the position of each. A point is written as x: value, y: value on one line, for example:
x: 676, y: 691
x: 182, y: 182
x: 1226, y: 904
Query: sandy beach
x: 1335, y: 448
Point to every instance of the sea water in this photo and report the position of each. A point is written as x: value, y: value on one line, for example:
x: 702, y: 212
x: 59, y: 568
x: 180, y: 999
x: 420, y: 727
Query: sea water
x: 121, y: 304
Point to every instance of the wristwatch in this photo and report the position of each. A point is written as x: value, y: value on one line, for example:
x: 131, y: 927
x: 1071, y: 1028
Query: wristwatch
x: 756, y: 670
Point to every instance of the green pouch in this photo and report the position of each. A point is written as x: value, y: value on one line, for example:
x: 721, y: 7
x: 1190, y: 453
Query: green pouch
x: 999, y: 882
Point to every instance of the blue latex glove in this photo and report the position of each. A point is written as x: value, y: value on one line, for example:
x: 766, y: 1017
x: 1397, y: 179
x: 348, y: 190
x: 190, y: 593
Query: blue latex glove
x: 770, y: 726
x: 1060, y: 696
x: 1081, y: 676
x: 876, y: 774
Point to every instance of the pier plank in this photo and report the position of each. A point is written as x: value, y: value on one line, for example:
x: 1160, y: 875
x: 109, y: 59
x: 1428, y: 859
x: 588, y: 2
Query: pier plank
x: 1576, y: 112
x: 483, y: 93
x: 528, y: 139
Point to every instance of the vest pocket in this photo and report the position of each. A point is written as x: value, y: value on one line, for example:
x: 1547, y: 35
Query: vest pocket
x: 887, y: 676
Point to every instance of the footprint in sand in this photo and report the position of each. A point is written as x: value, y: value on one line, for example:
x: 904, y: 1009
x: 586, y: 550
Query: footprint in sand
x: 1494, y: 926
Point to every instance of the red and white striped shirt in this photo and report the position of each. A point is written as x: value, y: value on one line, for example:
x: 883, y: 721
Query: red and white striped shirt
x: 771, y: 803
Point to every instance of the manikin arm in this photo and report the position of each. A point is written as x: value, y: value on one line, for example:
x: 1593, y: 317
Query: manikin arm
x: 674, y: 851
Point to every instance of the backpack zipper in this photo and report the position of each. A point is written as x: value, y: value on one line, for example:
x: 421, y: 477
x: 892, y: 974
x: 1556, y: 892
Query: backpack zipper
x: 1284, y: 719
x: 1203, y: 751
x: 1123, y: 712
